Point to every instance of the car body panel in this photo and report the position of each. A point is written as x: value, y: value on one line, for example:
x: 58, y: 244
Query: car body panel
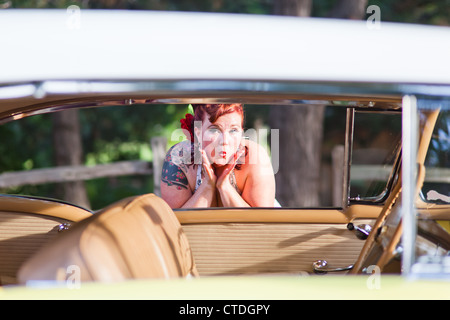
x: 80, y: 64
x: 44, y: 207
x: 318, y: 49
x: 251, y: 288
x: 287, y: 215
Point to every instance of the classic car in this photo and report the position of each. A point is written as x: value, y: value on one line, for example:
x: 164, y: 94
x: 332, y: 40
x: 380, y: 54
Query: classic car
x: 384, y: 235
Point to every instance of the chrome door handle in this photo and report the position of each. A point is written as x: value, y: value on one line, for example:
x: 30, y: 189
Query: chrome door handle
x: 362, y: 231
x: 321, y: 267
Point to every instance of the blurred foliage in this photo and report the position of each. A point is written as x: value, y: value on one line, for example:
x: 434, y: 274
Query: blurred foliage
x: 411, y: 11
x: 125, y: 133
x: 121, y: 133
x: 27, y: 145
x: 415, y: 11
x: 22, y: 138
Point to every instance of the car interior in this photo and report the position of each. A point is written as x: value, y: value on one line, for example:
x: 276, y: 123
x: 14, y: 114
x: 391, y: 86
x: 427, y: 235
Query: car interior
x: 142, y: 237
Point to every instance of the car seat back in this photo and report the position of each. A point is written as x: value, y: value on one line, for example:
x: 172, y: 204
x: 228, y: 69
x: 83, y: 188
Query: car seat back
x: 137, y: 237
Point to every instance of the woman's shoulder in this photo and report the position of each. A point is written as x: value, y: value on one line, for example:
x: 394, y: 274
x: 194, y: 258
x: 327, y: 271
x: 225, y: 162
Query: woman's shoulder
x: 254, y: 149
x: 256, y: 158
x: 180, y: 153
x: 251, y: 144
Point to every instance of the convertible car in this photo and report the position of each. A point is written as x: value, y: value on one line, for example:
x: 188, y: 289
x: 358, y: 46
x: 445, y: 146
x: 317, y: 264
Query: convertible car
x: 382, y: 230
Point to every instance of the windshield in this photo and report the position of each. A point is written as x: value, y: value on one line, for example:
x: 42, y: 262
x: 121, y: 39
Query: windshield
x: 432, y: 241
x: 436, y: 187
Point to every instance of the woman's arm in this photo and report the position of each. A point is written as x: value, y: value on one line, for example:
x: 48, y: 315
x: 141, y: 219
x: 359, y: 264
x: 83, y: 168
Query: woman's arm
x: 175, y: 189
x: 230, y: 197
x: 202, y: 198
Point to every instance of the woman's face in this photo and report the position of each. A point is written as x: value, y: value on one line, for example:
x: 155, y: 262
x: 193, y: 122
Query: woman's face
x: 221, y: 139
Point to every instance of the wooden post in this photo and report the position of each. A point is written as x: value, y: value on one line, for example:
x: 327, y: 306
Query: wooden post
x: 159, y: 145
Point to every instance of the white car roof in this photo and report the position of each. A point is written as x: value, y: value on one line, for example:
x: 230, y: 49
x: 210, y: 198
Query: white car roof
x: 56, y: 59
x: 44, y: 45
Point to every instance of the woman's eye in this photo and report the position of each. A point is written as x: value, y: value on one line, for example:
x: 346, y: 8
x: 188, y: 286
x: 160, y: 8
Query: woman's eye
x: 213, y: 130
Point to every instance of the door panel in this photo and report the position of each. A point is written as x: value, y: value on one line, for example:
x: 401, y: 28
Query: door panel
x: 248, y: 247
x: 21, y: 235
x: 27, y: 224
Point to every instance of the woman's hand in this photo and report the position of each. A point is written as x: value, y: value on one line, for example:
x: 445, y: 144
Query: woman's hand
x: 228, y: 193
x: 223, y: 181
x: 210, y: 178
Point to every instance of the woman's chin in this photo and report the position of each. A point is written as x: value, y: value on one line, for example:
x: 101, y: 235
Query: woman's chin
x: 221, y: 161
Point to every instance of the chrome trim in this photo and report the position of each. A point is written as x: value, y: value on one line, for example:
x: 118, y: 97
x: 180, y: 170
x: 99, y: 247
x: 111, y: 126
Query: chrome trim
x: 17, y: 91
x: 321, y: 267
x: 360, y: 90
x: 409, y: 178
x: 50, y: 94
x: 428, y: 103
x: 348, y: 156
x: 64, y: 226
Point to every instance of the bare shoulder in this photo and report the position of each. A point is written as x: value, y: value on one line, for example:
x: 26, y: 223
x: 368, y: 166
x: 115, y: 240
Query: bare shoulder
x: 259, y: 185
x: 257, y: 154
x: 179, y: 154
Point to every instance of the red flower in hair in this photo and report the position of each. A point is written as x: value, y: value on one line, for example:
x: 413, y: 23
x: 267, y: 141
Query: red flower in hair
x: 186, y: 124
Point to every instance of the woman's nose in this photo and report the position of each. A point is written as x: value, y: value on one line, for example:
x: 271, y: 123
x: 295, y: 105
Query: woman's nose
x: 225, y: 138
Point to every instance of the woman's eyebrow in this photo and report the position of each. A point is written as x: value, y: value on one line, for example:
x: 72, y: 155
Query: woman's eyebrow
x: 214, y: 125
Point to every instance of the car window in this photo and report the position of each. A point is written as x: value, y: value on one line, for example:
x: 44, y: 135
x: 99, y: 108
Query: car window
x: 306, y: 144
x: 376, y: 142
x: 123, y: 134
x: 436, y: 187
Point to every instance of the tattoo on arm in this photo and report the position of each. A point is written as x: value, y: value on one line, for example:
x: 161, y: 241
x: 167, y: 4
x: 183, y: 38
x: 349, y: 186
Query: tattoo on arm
x: 173, y: 175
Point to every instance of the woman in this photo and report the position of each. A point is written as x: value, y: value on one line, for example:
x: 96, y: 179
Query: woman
x: 219, y: 168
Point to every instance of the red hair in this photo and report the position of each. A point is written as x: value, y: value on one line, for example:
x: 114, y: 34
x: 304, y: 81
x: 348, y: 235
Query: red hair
x: 215, y: 111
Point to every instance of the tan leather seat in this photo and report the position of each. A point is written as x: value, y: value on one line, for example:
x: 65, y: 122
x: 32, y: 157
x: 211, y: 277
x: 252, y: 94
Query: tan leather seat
x: 138, y: 237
